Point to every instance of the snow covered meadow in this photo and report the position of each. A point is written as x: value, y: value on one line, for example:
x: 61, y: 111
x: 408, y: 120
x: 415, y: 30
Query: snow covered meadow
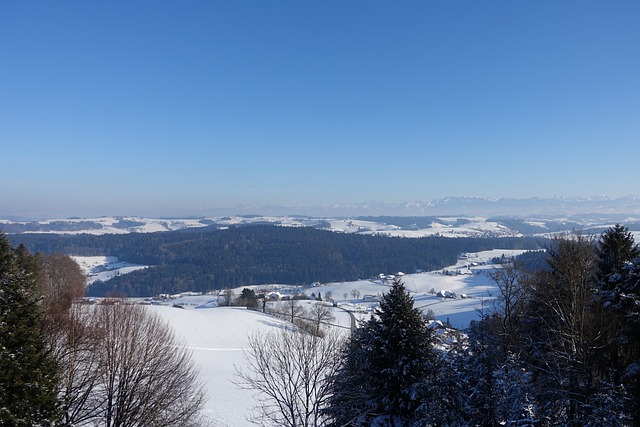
x: 104, y: 267
x: 218, y: 336
x: 447, y: 226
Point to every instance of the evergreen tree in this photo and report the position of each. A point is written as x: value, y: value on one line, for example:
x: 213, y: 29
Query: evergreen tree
x: 483, y: 360
x: 28, y: 373
x: 619, y: 274
x: 632, y: 325
x: 349, y: 402
x: 386, y: 365
x: 615, y: 250
x: 447, y: 401
x: 516, y: 405
x: 248, y: 298
x: 627, y: 339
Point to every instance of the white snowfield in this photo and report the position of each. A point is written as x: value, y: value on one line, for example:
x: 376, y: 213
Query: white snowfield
x: 444, y: 226
x: 104, y: 267
x: 468, y: 226
x: 465, y: 288
x: 218, y: 336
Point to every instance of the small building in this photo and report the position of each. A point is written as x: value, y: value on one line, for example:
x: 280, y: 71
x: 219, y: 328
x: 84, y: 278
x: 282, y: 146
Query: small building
x: 273, y: 296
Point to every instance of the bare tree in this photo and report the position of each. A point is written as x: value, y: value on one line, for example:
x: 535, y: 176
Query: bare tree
x: 320, y: 314
x: 119, y: 365
x: 75, y: 343
x: 72, y: 337
x: 564, y: 326
x: 510, y: 304
x: 289, y: 370
x: 148, y: 377
x: 228, y: 296
x: 62, y: 281
x: 122, y: 366
x: 293, y: 310
x: 355, y: 293
x: 328, y: 296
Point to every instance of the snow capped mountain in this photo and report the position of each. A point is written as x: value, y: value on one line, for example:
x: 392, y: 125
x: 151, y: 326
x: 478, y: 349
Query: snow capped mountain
x: 458, y: 206
x: 452, y: 217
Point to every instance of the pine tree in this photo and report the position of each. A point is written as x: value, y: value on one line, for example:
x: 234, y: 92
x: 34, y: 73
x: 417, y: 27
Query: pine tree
x: 483, y: 361
x: 516, y: 405
x: 448, y: 402
x: 349, y: 400
x: 628, y: 339
x: 619, y: 273
x: 615, y: 250
x: 385, y: 366
x: 28, y: 373
x: 248, y: 298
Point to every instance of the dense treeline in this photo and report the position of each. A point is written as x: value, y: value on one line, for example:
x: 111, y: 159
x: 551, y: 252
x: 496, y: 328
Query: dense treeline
x: 28, y: 375
x: 216, y: 259
x: 559, y: 346
x: 69, y: 364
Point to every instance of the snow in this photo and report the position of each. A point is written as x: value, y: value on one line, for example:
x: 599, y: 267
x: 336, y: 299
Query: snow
x: 471, y: 226
x: 458, y: 227
x: 104, y: 267
x: 469, y: 276
x: 468, y: 280
x: 218, y: 336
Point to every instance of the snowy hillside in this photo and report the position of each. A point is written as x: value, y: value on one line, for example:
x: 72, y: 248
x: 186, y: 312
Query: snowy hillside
x: 217, y: 336
x: 446, y: 226
x: 104, y: 267
x: 454, y: 294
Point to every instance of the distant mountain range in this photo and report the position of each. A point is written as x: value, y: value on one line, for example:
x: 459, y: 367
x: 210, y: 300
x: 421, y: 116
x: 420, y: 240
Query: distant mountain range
x: 620, y: 207
x: 534, y: 206
x: 450, y: 217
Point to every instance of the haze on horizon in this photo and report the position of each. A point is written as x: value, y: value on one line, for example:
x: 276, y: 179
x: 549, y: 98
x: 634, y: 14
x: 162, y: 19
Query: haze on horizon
x: 163, y: 109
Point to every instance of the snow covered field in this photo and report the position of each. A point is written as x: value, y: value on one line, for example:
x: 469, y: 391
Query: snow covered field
x: 104, y: 267
x: 468, y: 279
x: 218, y: 336
x: 472, y: 226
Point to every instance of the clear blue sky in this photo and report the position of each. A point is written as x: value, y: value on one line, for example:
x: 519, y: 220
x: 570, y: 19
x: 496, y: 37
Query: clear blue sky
x: 173, y: 107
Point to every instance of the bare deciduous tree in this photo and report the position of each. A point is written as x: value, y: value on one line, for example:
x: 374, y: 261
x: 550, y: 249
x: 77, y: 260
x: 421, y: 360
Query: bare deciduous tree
x: 228, y: 297
x: 61, y: 282
x: 510, y: 304
x: 293, y: 309
x: 74, y: 343
x: 119, y: 365
x: 148, y: 377
x: 122, y: 366
x: 289, y: 370
x: 565, y: 326
x: 72, y: 336
x: 328, y: 296
x: 320, y: 314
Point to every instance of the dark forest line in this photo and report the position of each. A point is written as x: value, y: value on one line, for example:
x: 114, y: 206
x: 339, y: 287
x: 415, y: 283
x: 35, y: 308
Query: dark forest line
x: 206, y: 259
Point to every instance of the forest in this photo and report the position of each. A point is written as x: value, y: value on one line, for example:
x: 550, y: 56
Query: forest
x: 65, y: 363
x: 558, y: 346
x: 202, y: 260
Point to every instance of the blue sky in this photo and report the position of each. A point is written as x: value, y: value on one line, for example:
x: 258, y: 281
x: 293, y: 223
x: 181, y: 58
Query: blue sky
x: 166, y: 107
